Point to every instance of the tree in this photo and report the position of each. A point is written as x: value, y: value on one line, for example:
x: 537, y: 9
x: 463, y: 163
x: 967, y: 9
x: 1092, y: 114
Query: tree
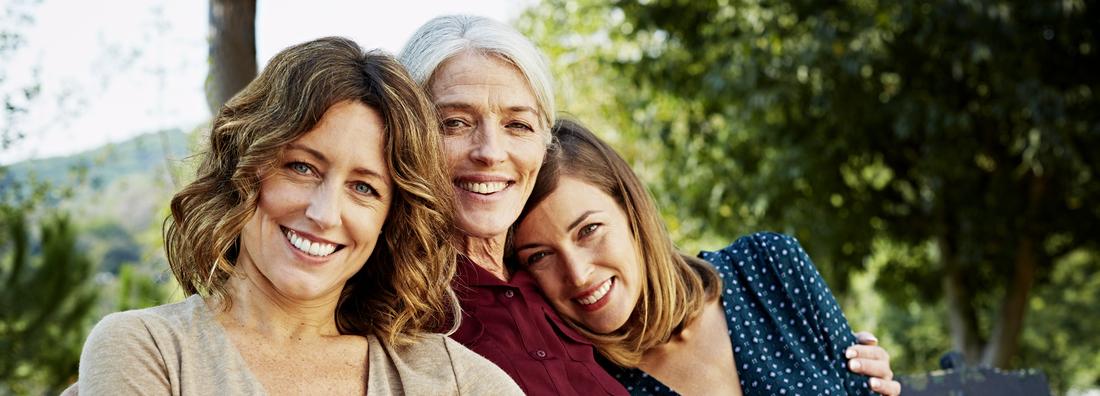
x: 232, y: 50
x: 45, y: 304
x: 964, y: 131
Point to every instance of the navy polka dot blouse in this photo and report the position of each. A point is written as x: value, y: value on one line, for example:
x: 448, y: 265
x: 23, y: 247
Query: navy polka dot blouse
x: 786, y: 328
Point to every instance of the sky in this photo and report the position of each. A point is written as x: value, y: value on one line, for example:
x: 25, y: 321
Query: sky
x: 108, y: 75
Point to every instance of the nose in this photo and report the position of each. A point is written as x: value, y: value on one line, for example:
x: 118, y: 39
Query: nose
x: 578, y: 268
x: 324, y: 206
x: 488, y: 145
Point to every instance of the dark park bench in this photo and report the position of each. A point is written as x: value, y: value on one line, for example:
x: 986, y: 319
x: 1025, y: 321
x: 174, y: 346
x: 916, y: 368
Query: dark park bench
x: 959, y: 380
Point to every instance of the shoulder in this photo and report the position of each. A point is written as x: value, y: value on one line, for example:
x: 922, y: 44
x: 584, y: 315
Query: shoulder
x: 767, y: 248
x: 134, y: 328
x: 128, y: 350
x: 476, y: 374
x: 435, y: 361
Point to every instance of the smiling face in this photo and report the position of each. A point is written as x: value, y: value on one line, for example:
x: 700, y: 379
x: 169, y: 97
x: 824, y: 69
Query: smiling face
x: 321, y: 208
x: 580, y: 248
x: 494, y: 140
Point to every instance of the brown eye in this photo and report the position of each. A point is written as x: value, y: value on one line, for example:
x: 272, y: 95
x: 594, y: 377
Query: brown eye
x: 589, y: 229
x: 534, y: 258
x: 520, y: 126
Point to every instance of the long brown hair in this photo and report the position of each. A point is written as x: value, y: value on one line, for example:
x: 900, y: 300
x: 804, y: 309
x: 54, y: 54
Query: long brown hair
x: 677, y: 286
x: 403, y: 289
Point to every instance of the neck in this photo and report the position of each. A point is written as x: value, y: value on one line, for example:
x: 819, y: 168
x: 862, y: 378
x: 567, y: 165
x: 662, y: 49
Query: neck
x: 256, y: 306
x: 487, y: 253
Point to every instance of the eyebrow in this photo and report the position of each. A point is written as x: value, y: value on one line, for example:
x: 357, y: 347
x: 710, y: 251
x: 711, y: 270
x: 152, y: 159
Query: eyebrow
x: 321, y: 157
x: 468, y: 107
x: 571, y: 226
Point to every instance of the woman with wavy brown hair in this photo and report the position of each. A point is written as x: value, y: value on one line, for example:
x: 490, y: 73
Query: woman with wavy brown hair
x: 313, y: 246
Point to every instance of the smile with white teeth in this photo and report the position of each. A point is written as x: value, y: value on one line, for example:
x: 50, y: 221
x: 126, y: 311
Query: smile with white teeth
x: 312, y: 248
x: 596, y: 295
x: 483, y: 187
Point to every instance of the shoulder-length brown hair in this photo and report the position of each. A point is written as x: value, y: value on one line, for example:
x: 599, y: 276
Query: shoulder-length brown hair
x: 403, y: 289
x: 677, y: 286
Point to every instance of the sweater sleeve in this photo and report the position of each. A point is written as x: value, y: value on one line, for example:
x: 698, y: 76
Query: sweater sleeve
x: 121, y: 357
x: 476, y: 375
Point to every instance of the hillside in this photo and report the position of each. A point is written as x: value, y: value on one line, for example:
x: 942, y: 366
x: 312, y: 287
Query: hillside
x: 117, y: 194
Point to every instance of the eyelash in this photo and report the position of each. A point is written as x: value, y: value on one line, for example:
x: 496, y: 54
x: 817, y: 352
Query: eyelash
x: 522, y: 126
x: 465, y: 124
x: 305, y: 169
x: 370, y: 189
x: 534, y: 258
x: 585, y: 231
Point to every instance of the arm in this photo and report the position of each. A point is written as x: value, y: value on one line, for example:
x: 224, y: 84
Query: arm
x: 121, y: 357
x: 866, y: 358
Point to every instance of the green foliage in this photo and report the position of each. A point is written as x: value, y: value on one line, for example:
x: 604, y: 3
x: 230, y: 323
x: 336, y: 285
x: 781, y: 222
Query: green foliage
x: 963, y: 133
x: 45, y: 302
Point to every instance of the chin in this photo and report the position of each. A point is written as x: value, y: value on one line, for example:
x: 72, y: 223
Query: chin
x: 483, y: 227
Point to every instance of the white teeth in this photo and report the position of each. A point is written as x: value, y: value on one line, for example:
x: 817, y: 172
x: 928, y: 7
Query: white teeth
x: 596, y: 295
x: 483, y: 188
x: 311, y: 248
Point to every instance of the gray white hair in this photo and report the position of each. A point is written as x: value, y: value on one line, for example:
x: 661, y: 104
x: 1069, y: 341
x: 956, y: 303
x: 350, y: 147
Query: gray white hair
x: 446, y: 36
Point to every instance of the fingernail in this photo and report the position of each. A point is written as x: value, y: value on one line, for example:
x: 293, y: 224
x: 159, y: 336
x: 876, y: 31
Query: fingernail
x: 850, y: 353
x: 875, y: 382
x: 854, y: 364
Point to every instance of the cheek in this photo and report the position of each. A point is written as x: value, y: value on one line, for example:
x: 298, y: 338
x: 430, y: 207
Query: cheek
x: 531, y: 155
x: 455, y: 147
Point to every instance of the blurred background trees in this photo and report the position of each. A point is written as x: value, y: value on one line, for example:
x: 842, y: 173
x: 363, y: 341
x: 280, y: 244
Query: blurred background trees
x: 946, y: 149
x: 937, y: 159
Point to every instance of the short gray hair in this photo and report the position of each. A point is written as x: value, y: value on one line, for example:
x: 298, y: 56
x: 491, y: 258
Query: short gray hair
x: 444, y: 37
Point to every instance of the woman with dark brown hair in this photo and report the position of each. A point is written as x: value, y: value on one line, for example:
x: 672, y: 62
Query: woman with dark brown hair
x: 753, y: 318
x: 312, y: 244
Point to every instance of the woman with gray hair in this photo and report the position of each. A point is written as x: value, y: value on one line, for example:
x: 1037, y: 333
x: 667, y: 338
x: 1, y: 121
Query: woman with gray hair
x: 493, y: 91
x: 494, y: 94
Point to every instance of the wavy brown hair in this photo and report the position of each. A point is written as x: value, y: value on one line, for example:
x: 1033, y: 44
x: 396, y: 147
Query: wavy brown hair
x: 404, y: 287
x: 677, y: 286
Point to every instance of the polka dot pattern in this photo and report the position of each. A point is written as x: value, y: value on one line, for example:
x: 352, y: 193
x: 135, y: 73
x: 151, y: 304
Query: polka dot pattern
x: 786, y: 328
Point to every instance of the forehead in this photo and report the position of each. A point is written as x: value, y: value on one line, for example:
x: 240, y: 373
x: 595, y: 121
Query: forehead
x: 474, y: 77
x: 349, y: 133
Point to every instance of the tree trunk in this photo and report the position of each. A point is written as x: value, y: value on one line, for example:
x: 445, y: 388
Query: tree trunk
x: 962, y: 319
x: 1006, y: 333
x: 232, y: 50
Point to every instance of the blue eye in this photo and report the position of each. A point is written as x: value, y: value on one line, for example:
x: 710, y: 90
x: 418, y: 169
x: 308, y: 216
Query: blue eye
x: 299, y: 167
x: 364, y: 188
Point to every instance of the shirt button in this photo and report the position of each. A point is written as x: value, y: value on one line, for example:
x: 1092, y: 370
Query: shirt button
x: 540, y: 353
x: 509, y: 294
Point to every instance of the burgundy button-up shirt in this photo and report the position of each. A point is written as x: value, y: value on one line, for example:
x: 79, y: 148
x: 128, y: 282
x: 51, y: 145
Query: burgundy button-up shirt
x: 512, y: 325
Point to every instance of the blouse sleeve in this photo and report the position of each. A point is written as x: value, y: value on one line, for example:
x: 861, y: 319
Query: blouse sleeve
x: 790, y: 291
x: 121, y: 357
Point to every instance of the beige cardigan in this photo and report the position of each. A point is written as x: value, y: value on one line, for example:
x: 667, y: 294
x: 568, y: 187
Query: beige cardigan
x: 180, y: 349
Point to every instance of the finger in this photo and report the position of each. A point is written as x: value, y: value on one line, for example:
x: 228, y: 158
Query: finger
x: 866, y: 338
x: 867, y: 352
x: 890, y: 388
x: 871, y: 368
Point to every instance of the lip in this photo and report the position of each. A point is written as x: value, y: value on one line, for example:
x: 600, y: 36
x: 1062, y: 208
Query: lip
x: 481, y: 178
x: 306, y: 257
x: 602, y: 302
